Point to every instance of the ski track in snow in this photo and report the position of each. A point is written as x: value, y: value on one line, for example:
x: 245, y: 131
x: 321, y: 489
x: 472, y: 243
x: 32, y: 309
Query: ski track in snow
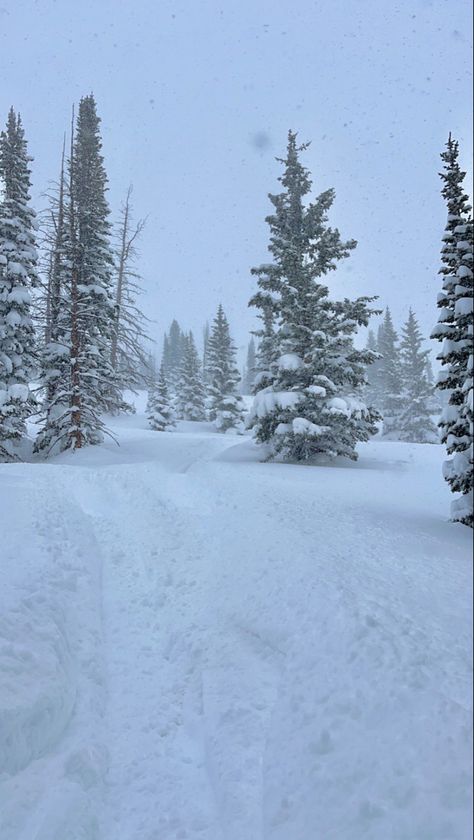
x: 198, y: 646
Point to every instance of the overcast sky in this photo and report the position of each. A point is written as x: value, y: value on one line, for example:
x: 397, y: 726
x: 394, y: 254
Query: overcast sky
x: 196, y: 99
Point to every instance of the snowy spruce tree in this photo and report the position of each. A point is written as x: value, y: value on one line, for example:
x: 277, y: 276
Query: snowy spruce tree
x: 18, y: 276
x: 373, y: 394
x: 267, y: 351
x: 160, y: 412
x: 455, y: 330
x: 389, y: 378
x: 190, y: 398
x: 309, y: 400
x: 415, y: 420
x: 95, y: 260
x: 248, y: 378
x: 224, y: 402
x: 87, y: 383
x: 172, y: 357
x: 205, y: 343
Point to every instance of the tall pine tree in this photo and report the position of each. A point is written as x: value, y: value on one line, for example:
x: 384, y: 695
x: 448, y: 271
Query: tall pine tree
x: 173, y: 351
x: 159, y: 410
x: 374, y: 397
x: 455, y: 330
x: 190, y: 389
x: 309, y: 400
x: 415, y: 420
x: 205, y: 342
x: 88, y: 382
x: 18, y: 276
x: 390, y: 383
x: 248, y: 378
x: 225, y: 404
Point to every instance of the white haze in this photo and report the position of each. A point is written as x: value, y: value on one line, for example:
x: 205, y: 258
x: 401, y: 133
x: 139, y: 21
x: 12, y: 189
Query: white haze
x: 196, y: 100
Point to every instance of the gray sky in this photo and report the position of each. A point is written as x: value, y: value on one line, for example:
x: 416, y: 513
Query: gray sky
x: 196, y: 99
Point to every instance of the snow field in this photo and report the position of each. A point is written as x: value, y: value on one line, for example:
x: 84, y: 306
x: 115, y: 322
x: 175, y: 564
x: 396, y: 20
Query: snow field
x: 199, y: 646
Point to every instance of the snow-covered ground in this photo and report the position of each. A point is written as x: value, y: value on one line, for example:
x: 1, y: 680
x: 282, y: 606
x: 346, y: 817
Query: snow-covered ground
x: 198, y: 646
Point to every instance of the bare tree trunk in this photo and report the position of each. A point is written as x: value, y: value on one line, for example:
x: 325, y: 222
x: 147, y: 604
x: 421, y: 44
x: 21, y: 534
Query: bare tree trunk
x: 54, y: 280
x: 123, y: 254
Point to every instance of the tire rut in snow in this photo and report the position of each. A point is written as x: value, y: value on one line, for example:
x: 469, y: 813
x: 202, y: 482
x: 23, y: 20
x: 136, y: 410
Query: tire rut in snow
x: 52, y: 721
x: 156, y: 626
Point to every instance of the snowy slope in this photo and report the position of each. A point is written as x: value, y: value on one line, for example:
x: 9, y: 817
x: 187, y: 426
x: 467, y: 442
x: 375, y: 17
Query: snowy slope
x: 197, y: 645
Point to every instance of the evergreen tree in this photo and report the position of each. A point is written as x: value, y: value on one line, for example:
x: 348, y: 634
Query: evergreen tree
x: 159, y: 410
x: 225, y: 405
x: 173, y: 351
x: 165, y: 355
x: 390, y: 378
x: 18, y: 276
x: 267, y: 351
x: 455, y: 330
x: 374, y: 397
x: 205, y: 362
x: 309, y: 399
x: 88, y: 383
x: 250, y: 368
x: 190, y: 390
x: 415, y: 420
x: 95, y: 260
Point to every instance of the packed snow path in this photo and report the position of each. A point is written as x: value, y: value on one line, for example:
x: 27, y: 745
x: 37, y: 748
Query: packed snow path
x: 199, y: 646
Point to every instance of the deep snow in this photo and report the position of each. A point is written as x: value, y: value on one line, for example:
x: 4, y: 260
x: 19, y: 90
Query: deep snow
x: 195, y: 645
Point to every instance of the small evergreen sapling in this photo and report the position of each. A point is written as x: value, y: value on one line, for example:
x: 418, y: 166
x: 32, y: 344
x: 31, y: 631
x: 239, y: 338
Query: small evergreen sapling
x: 160, y: 412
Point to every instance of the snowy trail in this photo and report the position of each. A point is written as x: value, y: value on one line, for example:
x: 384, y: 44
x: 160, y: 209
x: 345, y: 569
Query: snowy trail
x: 275, y: 652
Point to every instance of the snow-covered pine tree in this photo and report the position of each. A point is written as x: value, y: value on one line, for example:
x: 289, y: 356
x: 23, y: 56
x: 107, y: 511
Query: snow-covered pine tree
x: 373, y: 372
x: 225, y: 404
x: 18, y: 276
x: 173, y: 351
x: 205, y: 341
x: 128, y: 357
x: 390, y: 378
x: 160, y: 412
x: 88, y: 384
x: 415, y: 420
x: 94, y: 259
x: 190, y: 389
x: 250, y: 368
x: 267, y: 350
x: 455, y: 330
x: 309, y: 400
x: 165, y: 354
